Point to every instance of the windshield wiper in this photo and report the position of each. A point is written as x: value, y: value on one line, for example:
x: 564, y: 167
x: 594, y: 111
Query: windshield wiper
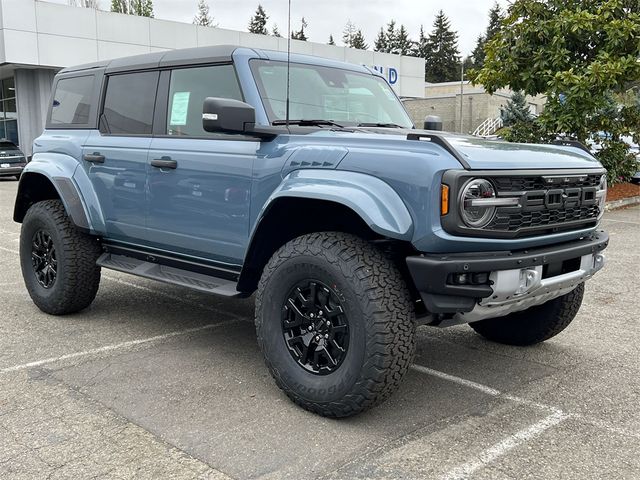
x: 308, y: 122
x: 381, y: 125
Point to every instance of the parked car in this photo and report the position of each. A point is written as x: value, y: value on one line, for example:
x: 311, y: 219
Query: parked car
x: 12, y: 160
x: 203, y: 168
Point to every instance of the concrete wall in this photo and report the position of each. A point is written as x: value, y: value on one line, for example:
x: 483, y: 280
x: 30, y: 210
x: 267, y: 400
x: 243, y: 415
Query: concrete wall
x: 53, y: 35
x: 443, y: 99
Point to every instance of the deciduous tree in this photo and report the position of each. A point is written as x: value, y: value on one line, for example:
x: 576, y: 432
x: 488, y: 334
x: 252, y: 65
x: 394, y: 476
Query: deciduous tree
x: 578, y: 54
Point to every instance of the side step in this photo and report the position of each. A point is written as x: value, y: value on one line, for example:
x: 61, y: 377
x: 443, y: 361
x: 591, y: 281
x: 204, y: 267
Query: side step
x: 163, y: 273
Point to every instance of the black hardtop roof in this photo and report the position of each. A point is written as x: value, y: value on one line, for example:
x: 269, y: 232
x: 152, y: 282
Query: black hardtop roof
x: 183, y: 56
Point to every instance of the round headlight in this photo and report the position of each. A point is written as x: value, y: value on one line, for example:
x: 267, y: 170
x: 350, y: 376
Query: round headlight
x: 476, y: 209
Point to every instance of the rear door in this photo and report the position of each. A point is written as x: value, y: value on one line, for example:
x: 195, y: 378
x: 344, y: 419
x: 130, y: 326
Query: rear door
x: 199, y: 182
x: 115, y: 156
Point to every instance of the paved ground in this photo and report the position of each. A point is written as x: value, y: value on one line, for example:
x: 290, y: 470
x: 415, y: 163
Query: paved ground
x: 158, y: 382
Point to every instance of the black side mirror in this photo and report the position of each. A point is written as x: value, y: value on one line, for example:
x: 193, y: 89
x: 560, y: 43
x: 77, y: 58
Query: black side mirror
x: 226, y: 115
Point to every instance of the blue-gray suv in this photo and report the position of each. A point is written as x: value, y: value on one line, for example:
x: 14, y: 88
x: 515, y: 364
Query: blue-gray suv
x: 227, y: 170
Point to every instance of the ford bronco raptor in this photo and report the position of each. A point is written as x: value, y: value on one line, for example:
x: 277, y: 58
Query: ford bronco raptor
x: 351, y: 225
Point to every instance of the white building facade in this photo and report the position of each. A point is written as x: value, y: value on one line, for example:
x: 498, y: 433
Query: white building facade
x: 38, y: 38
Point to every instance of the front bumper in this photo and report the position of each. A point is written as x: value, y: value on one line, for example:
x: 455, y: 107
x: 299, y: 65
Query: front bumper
x: 517, y: 280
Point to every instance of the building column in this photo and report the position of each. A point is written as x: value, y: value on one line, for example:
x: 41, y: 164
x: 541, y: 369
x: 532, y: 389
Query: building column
x: 33, y: 94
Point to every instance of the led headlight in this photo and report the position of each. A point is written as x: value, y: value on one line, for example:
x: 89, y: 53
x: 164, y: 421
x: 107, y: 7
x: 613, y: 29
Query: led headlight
x: 601, y: 195
x: 478, y: 203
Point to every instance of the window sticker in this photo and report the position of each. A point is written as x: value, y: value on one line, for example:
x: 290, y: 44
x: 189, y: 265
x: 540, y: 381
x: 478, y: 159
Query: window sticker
x: 179, y: 108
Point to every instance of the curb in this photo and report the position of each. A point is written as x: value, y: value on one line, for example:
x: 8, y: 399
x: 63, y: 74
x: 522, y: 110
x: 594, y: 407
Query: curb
x: 622, y: 203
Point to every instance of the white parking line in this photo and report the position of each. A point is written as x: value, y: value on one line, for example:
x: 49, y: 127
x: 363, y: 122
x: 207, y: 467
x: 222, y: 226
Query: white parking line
x: 504, y: 446
x: 461, y: 381
x: 116, y: 346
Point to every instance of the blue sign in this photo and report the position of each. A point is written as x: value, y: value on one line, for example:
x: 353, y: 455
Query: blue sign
x: 391, y: 74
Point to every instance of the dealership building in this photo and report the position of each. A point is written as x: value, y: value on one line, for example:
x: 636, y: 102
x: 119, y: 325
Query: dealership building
x: 38, y: 38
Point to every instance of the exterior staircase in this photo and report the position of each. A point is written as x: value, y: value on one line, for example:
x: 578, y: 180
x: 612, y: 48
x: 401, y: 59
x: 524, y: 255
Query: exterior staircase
x: 488, y: 127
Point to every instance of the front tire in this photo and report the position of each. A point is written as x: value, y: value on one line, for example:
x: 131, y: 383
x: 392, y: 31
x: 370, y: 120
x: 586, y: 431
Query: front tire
x: 335, y: 323
x: 58, y: 261
x: 534, y: 325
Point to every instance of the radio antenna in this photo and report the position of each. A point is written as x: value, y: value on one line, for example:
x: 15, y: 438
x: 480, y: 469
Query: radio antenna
x: 288, y: 63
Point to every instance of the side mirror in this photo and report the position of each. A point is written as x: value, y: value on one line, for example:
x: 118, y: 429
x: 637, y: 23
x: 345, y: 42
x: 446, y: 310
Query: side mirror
x: 226, y: 115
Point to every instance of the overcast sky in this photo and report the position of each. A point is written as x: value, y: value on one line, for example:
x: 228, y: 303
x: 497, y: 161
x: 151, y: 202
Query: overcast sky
x: 468, y: 17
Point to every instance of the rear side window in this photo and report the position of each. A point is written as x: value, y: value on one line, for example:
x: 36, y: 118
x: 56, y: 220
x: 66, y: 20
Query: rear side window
x: 128, y: 103
x: 187, y: 91
x: 72, y: 101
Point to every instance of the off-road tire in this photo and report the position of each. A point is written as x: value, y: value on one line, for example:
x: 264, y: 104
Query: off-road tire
x: 534, y: 325
x: 380, y: 314
x: 78, y: 276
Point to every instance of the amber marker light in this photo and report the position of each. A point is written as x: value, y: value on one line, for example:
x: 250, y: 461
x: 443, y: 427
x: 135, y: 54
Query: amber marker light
x: 444, y: 199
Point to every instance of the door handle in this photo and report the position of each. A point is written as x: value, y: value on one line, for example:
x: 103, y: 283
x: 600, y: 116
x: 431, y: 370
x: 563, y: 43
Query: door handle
x: 164, y: 162
x: 94, y: 157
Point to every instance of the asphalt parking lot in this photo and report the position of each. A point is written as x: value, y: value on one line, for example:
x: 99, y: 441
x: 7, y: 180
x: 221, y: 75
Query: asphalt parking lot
x: 157, y: 382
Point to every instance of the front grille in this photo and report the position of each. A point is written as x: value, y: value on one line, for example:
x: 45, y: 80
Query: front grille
x: 509, y: 222
x: 536, y: 182
x: 548, y: 202
x: 530, y: 219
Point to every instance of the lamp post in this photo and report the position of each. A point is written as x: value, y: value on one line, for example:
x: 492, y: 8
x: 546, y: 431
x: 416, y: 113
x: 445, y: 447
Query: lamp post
x: 461, y: 90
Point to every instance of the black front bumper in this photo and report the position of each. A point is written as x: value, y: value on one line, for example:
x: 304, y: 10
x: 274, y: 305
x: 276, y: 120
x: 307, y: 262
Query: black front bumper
x: 431, y: 273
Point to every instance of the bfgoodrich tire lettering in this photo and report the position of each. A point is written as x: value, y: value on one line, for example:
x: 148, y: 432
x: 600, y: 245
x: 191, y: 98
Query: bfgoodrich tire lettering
x: 534, y: 325
x: 77, y: 276
x: 377, y: 307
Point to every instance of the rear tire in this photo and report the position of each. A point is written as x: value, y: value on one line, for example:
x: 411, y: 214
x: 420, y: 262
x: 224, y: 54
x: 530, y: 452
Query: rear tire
x: 534, y: 325
x: 58, y: 261
x: 372, y: 321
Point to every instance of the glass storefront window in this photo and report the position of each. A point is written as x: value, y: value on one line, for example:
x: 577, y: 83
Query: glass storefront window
x: 8, y: 110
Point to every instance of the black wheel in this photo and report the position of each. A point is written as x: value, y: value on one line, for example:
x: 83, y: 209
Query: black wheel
x: 534, y: 325
x: 335, y: 323
x: 58, y: 261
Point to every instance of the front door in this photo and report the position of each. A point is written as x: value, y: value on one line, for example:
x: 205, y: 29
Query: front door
x: 199, y: 183
x: 116, y: 156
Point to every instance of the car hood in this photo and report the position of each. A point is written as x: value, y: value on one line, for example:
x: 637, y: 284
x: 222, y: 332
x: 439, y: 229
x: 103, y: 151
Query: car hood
x: 488, y: 154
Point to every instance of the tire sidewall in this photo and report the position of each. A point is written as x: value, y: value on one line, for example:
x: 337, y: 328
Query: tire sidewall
x: 306, y: 385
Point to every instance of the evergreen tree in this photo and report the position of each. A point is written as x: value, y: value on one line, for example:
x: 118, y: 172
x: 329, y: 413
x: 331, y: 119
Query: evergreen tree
x: 331, y: 40
x: 275, y: 32
x: 258, y: 23
x: 348, y: 33
x: 420, y: 47
x: 516, y: 110
x: 358, y: 41
x: 403, y: 45
x: 495, y: 18
x: 391, y: 36
x: 300, y: 35
x: 442, y: 60
x: 203, y: 17
x: 380, y: 43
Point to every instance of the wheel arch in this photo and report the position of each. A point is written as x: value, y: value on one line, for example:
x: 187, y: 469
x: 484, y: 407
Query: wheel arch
x: 37, y: 186
x: 311, y: 201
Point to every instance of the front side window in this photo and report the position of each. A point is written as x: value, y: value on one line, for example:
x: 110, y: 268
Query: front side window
x: 326, y: 93
x: 129, y: 103
x: 72, y: 101
x: 189, y: 88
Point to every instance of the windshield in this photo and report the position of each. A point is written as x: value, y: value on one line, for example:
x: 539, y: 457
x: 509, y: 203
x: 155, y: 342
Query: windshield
x: 325, y: 93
